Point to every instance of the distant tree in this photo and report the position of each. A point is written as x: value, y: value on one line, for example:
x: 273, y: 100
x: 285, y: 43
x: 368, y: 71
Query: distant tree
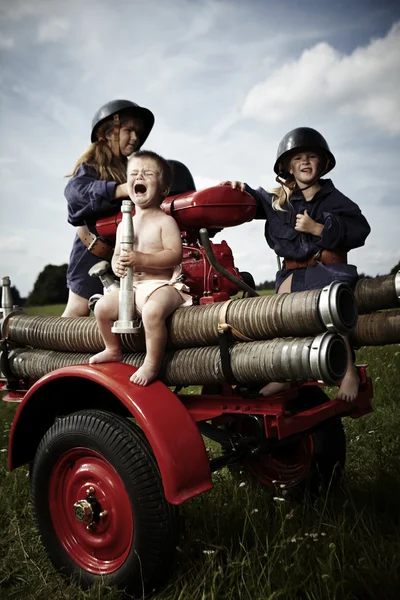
x: 396, y: 268
x: 17, y: 299
x: 266, y: 285
x: 50, y: 287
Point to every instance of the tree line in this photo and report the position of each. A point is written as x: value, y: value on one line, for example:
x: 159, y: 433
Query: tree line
x: 51, y: 287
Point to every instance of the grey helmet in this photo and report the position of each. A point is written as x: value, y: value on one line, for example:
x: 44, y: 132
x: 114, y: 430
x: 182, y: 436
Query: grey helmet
x: 302, y: 138
x: 117, y: 106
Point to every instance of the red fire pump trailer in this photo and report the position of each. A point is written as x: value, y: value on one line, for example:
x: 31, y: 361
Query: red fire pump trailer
x: 111, y: 462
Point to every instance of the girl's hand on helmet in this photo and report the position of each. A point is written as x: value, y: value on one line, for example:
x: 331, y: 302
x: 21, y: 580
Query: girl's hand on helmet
x: 306, y: 224
x: 236, y: 185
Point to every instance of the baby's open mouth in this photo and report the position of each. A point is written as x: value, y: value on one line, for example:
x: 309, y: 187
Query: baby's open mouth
x: 140, y: 188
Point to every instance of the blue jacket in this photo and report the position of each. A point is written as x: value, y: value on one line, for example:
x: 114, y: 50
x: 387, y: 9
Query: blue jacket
x: 89, y: 198
x: 344, y: 227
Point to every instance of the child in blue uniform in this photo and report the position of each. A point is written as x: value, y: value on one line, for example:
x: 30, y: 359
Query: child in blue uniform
x: 96, y: 189
x: 311, y: 225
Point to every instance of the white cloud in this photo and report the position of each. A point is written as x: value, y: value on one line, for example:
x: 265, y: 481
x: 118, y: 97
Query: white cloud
x: 53, y: 30
x: 13, y: 244
x: 325, y: 82
x: 204, y: 182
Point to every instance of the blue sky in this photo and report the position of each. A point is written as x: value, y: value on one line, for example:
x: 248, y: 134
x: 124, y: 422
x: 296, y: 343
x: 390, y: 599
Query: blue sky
x: 225, y: 80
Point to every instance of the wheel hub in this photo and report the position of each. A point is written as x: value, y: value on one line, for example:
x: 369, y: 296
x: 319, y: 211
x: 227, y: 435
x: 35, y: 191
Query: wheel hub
x: 83, y: 511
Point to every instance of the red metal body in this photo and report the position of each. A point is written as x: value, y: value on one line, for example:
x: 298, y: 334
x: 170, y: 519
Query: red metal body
x: 182, y: 459
x: 279, y: 413
x: 214, y: 208
x: 206, y: 285
x: 167, y: 419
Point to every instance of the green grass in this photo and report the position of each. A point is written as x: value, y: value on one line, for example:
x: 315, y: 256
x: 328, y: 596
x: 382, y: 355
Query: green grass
x: 240, y: 542
x: 51, y: 310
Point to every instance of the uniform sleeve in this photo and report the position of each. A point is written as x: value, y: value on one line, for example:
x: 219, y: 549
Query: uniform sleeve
x: 344, y: 227
x: 88, y: 197
x: 259, y: 198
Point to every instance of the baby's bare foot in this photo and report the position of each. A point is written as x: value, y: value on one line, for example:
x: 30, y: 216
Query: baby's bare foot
x: 348, y: 390
x: 274, y: 387
x: 145, y: 374
x: 106, y: 356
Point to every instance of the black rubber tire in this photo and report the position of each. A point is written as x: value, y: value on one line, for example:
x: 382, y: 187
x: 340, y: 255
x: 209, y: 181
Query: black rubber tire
x: 124, y: 446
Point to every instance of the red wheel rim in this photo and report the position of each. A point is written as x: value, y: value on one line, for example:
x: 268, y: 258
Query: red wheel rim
x: 104, y: 548
x: 288, y: 466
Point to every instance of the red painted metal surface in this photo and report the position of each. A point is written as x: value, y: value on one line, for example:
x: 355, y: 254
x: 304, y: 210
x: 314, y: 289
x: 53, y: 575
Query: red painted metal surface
x: 202, y: 279
x: 103, y: 548
x: 280, y: 416
x: 214, y: 208
x: 11, y: 394
x: 172, y: 433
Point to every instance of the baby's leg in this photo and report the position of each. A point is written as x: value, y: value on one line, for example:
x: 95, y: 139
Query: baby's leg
x: 348, y: 390
x: 158, y: 307
x: 275, y: 387
x: 106, y: 312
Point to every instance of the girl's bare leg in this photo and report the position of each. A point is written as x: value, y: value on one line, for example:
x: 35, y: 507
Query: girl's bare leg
x: 348, y: 389
x: 77, y: 306
x: 275, y: 387
x: 106, y: 312
x: 158, y: 307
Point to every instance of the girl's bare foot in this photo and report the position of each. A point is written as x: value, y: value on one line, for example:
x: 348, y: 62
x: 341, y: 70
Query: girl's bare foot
x: 106, y: 356
x: 348, y: 390
x: 145, y: 374
x: 274, y: 387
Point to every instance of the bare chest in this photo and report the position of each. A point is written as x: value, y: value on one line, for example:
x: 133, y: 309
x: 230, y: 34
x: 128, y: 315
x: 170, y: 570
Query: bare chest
x: 147, y: 236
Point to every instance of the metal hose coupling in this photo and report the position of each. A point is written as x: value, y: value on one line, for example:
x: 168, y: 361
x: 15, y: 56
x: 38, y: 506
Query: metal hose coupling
x: 338, y: 308
x: 323, y: 358
x: 378, y: 293
x: 127, y: 321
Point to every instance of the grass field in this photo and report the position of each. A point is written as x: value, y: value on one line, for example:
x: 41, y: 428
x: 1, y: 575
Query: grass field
x: 243, y: 542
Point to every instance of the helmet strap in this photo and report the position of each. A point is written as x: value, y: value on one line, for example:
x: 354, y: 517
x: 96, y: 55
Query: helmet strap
x: 115, y: 138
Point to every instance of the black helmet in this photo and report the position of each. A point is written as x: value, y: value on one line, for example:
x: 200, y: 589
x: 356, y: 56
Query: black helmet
x: 299, y: 139
x: 115, y: 106
x: 182, y: 180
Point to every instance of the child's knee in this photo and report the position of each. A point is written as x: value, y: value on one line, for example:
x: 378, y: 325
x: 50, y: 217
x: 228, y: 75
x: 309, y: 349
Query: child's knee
x: 106, y: 307
x: 152, y: 315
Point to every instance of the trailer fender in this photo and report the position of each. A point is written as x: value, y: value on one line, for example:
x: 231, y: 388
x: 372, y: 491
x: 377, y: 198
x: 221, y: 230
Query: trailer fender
x: 169, y: 428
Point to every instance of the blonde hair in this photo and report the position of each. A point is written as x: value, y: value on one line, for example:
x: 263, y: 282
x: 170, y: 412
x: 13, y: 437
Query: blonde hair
x: 283, y: 193
x: 100, y: 157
